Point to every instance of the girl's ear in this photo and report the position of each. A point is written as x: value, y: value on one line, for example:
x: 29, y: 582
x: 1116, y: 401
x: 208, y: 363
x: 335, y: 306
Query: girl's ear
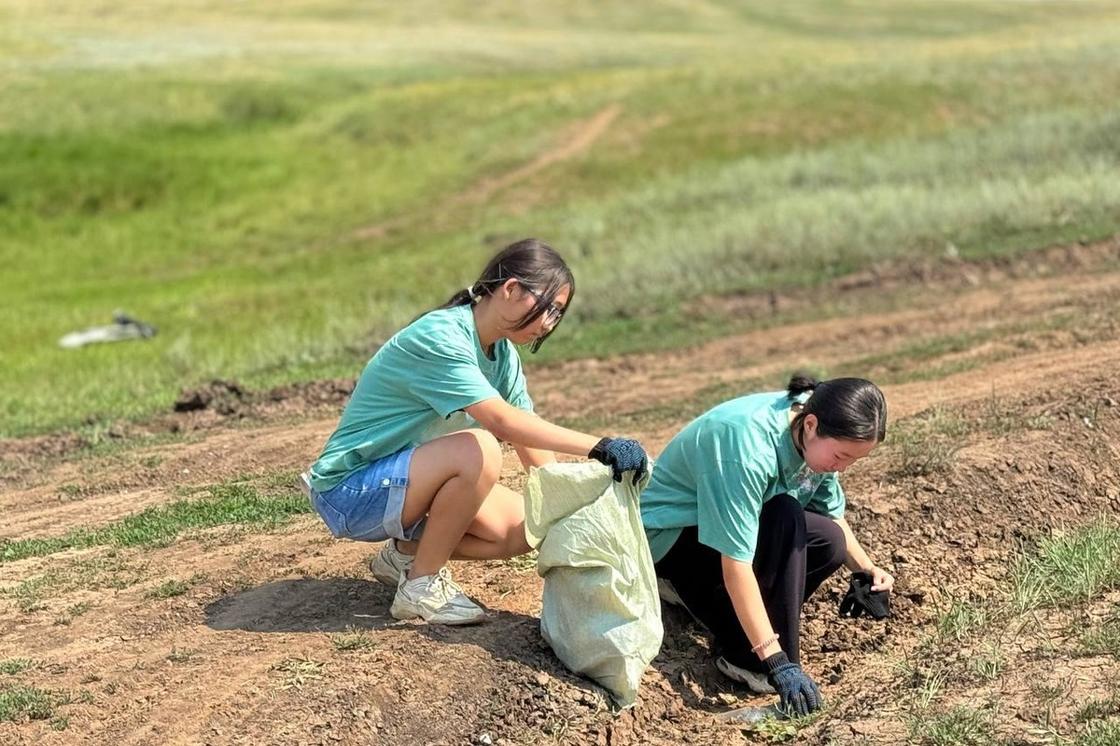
x: 508, y: 287
x: 809, y: 425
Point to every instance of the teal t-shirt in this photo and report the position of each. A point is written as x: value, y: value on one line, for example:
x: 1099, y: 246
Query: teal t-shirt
x: 717, y: 472
x: 414, y: 390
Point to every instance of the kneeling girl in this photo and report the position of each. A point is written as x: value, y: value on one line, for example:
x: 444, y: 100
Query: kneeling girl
x: 745, y: 519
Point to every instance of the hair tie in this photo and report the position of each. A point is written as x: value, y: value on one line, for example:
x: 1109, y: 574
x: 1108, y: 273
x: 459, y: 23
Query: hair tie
x: 475, y: 297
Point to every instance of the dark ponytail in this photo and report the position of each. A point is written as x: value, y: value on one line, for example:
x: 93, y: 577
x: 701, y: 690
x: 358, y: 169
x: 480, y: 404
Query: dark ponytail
x: 800, y: 383
x: 845, y: 408
x: 534, y: 264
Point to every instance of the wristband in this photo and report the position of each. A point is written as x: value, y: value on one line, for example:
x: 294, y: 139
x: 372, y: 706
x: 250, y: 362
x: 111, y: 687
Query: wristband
x: 764, y: 644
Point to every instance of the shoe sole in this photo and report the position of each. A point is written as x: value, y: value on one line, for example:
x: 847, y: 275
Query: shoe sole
x: 404, y: 617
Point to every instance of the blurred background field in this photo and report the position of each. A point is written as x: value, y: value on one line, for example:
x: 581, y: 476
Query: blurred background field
x: 280, y: 185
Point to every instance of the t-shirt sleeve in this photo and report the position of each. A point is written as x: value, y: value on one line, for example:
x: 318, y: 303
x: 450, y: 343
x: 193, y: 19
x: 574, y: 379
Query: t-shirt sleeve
x: 517, y: 390
x: 829, y: 498
x: 443, y: 372
x: 729, y: 501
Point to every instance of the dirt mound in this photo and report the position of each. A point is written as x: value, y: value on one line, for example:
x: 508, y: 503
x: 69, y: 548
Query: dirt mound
x: 231, y: 399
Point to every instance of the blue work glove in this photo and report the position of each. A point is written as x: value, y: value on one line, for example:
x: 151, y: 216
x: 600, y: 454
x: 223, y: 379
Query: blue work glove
x: 799, y: 693
x: 622, y: 455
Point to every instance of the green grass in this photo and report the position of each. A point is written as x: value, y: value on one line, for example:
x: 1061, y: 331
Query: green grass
x: 985, y: 643
x: 927, y: 444
x: 1068, y: 568
x: 298, y: 672
x: 963, y: 619
x: 26, y: 702
x: 169, y: 589
x: 1098, y: 709
x: 772, y: 730
x: 216, y: 170
x: 13, y: 666
x: 158, y: 526
x: 1102, y: 733
x: 988, y: 664
x: 352, y: 639
x: 1103, y: 638
x: 108, y: 571
x: 522, y: 563
x: 960, y: 726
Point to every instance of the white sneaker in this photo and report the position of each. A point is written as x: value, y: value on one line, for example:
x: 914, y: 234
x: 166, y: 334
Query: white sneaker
x: 670, y: 596
x: 668, y: 593
x: 758, y: 683
x: 436, y: 599
x: 390, y: 564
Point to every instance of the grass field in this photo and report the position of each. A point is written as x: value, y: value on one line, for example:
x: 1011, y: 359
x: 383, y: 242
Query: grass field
x: 278, y: 186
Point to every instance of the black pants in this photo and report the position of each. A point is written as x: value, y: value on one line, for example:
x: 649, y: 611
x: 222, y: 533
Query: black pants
x: 796, y: 552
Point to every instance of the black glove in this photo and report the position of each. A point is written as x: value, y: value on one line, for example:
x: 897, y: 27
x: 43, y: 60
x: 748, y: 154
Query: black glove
x: 860, y: 598
x: 622, y: 455
x: 799, y: 693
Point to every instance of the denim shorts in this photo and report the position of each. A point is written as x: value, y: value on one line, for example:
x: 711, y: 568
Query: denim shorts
x: 367, y: 504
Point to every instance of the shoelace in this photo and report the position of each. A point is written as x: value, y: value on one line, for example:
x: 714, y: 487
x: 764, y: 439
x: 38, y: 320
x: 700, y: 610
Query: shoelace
x: 442, y: 584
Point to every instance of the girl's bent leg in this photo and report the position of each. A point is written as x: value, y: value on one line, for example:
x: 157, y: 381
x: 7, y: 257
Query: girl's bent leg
x: 779, y: 565
x: 449, y: 480
x: 825, y: 550
x: 497, y: 532
x: 498, y: 529
x: 696, y: 572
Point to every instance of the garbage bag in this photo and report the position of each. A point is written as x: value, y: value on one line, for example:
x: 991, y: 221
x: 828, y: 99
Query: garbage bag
x: 124, y: 327
x: 600, y: 612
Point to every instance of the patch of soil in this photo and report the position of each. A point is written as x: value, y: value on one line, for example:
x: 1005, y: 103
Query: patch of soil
x: 249, y: 652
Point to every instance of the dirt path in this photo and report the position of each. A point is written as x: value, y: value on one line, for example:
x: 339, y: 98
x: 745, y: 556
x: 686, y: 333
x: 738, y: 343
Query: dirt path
x: 576, y: 141
x: 252, y: 649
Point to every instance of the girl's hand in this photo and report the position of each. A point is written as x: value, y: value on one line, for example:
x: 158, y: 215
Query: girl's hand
x: 881, y: 580
x: 622, y: 455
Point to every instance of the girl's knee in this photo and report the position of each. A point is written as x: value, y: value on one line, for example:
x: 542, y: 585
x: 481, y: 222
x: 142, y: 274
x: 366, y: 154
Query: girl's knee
x: 834, y: 545
x: 785, y: 509
x: 482, y: 455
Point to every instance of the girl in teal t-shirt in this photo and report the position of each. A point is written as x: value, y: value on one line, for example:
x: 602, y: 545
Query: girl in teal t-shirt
x: 415, y: 457
x: 745, y: 519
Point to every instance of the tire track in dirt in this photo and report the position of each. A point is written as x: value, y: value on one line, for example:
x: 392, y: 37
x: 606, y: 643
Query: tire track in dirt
x: 1008, y: 379
x: 631, y: 383
x: 578, y: 140
x: 112, y: 491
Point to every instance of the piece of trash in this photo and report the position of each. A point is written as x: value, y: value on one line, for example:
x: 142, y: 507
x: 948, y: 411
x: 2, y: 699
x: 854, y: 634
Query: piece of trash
x: 752, y: 714
x: 123, y: 328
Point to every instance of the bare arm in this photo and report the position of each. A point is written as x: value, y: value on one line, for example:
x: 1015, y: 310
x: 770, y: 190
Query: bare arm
x: 531, y: 457
x: 742, y: 586
x: 521, y: 428
x: 857, y: 559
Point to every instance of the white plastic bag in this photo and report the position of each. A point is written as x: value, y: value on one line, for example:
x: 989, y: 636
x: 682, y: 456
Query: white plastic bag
x: 601, y: 613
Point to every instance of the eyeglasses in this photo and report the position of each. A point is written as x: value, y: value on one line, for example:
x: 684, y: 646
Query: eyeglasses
x: 553, y: 313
